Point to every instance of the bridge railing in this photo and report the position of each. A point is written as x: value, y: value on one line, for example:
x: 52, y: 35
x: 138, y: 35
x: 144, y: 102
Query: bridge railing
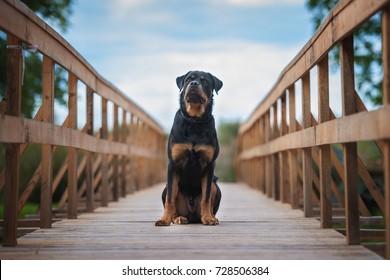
x: 99, y: 167
x: 299, y: 163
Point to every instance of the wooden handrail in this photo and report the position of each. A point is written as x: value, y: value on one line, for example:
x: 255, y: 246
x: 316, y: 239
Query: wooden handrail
x: 116, y: 153
x: 271, y: 155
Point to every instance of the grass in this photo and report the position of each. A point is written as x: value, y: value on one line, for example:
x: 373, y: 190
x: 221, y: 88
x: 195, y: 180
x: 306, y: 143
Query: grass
x: 28, y: 209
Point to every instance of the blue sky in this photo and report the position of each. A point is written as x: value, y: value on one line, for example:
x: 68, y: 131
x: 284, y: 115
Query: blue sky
x: 143, y: 45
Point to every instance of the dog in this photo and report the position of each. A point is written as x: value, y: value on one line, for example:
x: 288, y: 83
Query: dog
x: 192, y: 194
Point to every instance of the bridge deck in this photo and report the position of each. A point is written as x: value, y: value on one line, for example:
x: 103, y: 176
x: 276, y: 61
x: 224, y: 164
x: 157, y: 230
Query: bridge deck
x: 252, y: 227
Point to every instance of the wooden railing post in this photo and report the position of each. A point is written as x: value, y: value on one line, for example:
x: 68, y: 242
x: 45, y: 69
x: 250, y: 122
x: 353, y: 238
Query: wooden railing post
x: 275, y: 157
x: 262, y: 170
x: 11, y: 186
x: 104, y: 164
x: 47, y: 150
x: 350, y: 149
x: 124, y: 158
x: 115, y: 160
x: 292, y: 154
x: 386, y: 102
x: 283, y: 158
x: 89, y: 191
x: 307, y: 161
x: 268, y: 160
x: 324, y: 162
x: 72, y: 155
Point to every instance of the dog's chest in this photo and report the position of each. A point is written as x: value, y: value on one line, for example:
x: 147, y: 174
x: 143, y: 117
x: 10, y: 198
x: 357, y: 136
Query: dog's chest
x: 183, y: 152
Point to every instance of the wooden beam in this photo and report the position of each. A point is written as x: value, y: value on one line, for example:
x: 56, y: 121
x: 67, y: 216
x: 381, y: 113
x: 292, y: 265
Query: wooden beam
x: 306, y: 157
x: 115, y: 160
x: 386, y: 102
x: 124, y: 158
x: 283, y: 156
x: 89, y: 191
x: 12, y: 160
x: 324, y: 166
x: 47, y: 150
x: 350, y: 149
x: 72, y: 153
x: 104, y: 164
x: 294, y: 197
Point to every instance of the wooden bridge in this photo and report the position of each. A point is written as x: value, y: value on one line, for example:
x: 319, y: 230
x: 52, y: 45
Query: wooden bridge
x: 299, y: 196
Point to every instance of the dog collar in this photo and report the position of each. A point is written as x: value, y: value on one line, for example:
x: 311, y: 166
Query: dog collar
x: 195, y: 120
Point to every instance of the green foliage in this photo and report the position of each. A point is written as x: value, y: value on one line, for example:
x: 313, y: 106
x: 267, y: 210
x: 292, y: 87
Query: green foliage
x: 368, y: 53
x: 227, y: 134
x: 57, y: 12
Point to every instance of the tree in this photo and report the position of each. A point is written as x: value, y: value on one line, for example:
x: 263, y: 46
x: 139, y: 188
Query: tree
x: 57, y: 12
x: 368, y: 53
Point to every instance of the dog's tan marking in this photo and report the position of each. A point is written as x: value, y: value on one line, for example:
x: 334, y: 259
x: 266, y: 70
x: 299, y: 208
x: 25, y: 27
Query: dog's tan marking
x: 178, y: 151
x: 207, y: 152
x: 170, y: 206
x: 207, y: 215
x: 195, y: 110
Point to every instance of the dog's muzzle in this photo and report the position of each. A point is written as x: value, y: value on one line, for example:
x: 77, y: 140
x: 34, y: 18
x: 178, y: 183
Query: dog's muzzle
x: 194, y: 97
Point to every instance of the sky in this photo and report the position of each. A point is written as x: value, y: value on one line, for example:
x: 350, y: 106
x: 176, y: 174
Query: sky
x: 141, y: 46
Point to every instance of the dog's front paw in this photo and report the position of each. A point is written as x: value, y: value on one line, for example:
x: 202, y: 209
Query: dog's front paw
x: 210, y: 221
x: 162, y: 223
x: 180, y: 220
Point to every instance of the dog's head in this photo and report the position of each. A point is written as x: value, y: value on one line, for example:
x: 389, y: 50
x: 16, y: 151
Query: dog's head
x: 196, y: 92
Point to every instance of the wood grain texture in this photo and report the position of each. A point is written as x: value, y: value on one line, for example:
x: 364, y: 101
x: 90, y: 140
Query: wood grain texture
x: 12, y: 160
x: 251, y: 227
x: 386, y: 102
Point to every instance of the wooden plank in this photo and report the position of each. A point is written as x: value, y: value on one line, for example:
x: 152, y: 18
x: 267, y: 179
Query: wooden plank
x: 350, y: 149
x: 325, y: 162
x: 344, y: 130
x: 12, y: 160
x: 306, y: 157
x: 72, y: 153
x: 47, y: 150
x: 386, y: 102
x: 271, y: 229
x: 25, y: 130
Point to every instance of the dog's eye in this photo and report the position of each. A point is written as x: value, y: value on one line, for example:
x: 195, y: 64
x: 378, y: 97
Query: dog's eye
x: 205, y: 82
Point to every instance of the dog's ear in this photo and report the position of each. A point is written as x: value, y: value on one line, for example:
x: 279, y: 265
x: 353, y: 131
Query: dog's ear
x: 180, y: 81
x: 217, y: 83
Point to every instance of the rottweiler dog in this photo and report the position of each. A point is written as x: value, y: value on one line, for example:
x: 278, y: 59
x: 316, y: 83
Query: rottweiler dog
x: 192, y: 194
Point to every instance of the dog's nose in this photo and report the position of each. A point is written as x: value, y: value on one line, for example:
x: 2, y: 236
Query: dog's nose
x: 194, y: 83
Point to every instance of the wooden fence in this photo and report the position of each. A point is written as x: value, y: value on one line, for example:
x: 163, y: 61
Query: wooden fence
x: 299, y: 163
x: 99, y: 167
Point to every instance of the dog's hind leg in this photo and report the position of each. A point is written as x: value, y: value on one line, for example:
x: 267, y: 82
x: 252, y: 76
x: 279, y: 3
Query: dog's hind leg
x: 216, y: 196
x: 209, y: 197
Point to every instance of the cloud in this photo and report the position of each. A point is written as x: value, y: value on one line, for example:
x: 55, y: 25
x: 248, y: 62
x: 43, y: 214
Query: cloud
x: 248, y: 71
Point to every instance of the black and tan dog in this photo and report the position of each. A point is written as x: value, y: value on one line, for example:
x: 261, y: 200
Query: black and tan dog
x: 192, y: 194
